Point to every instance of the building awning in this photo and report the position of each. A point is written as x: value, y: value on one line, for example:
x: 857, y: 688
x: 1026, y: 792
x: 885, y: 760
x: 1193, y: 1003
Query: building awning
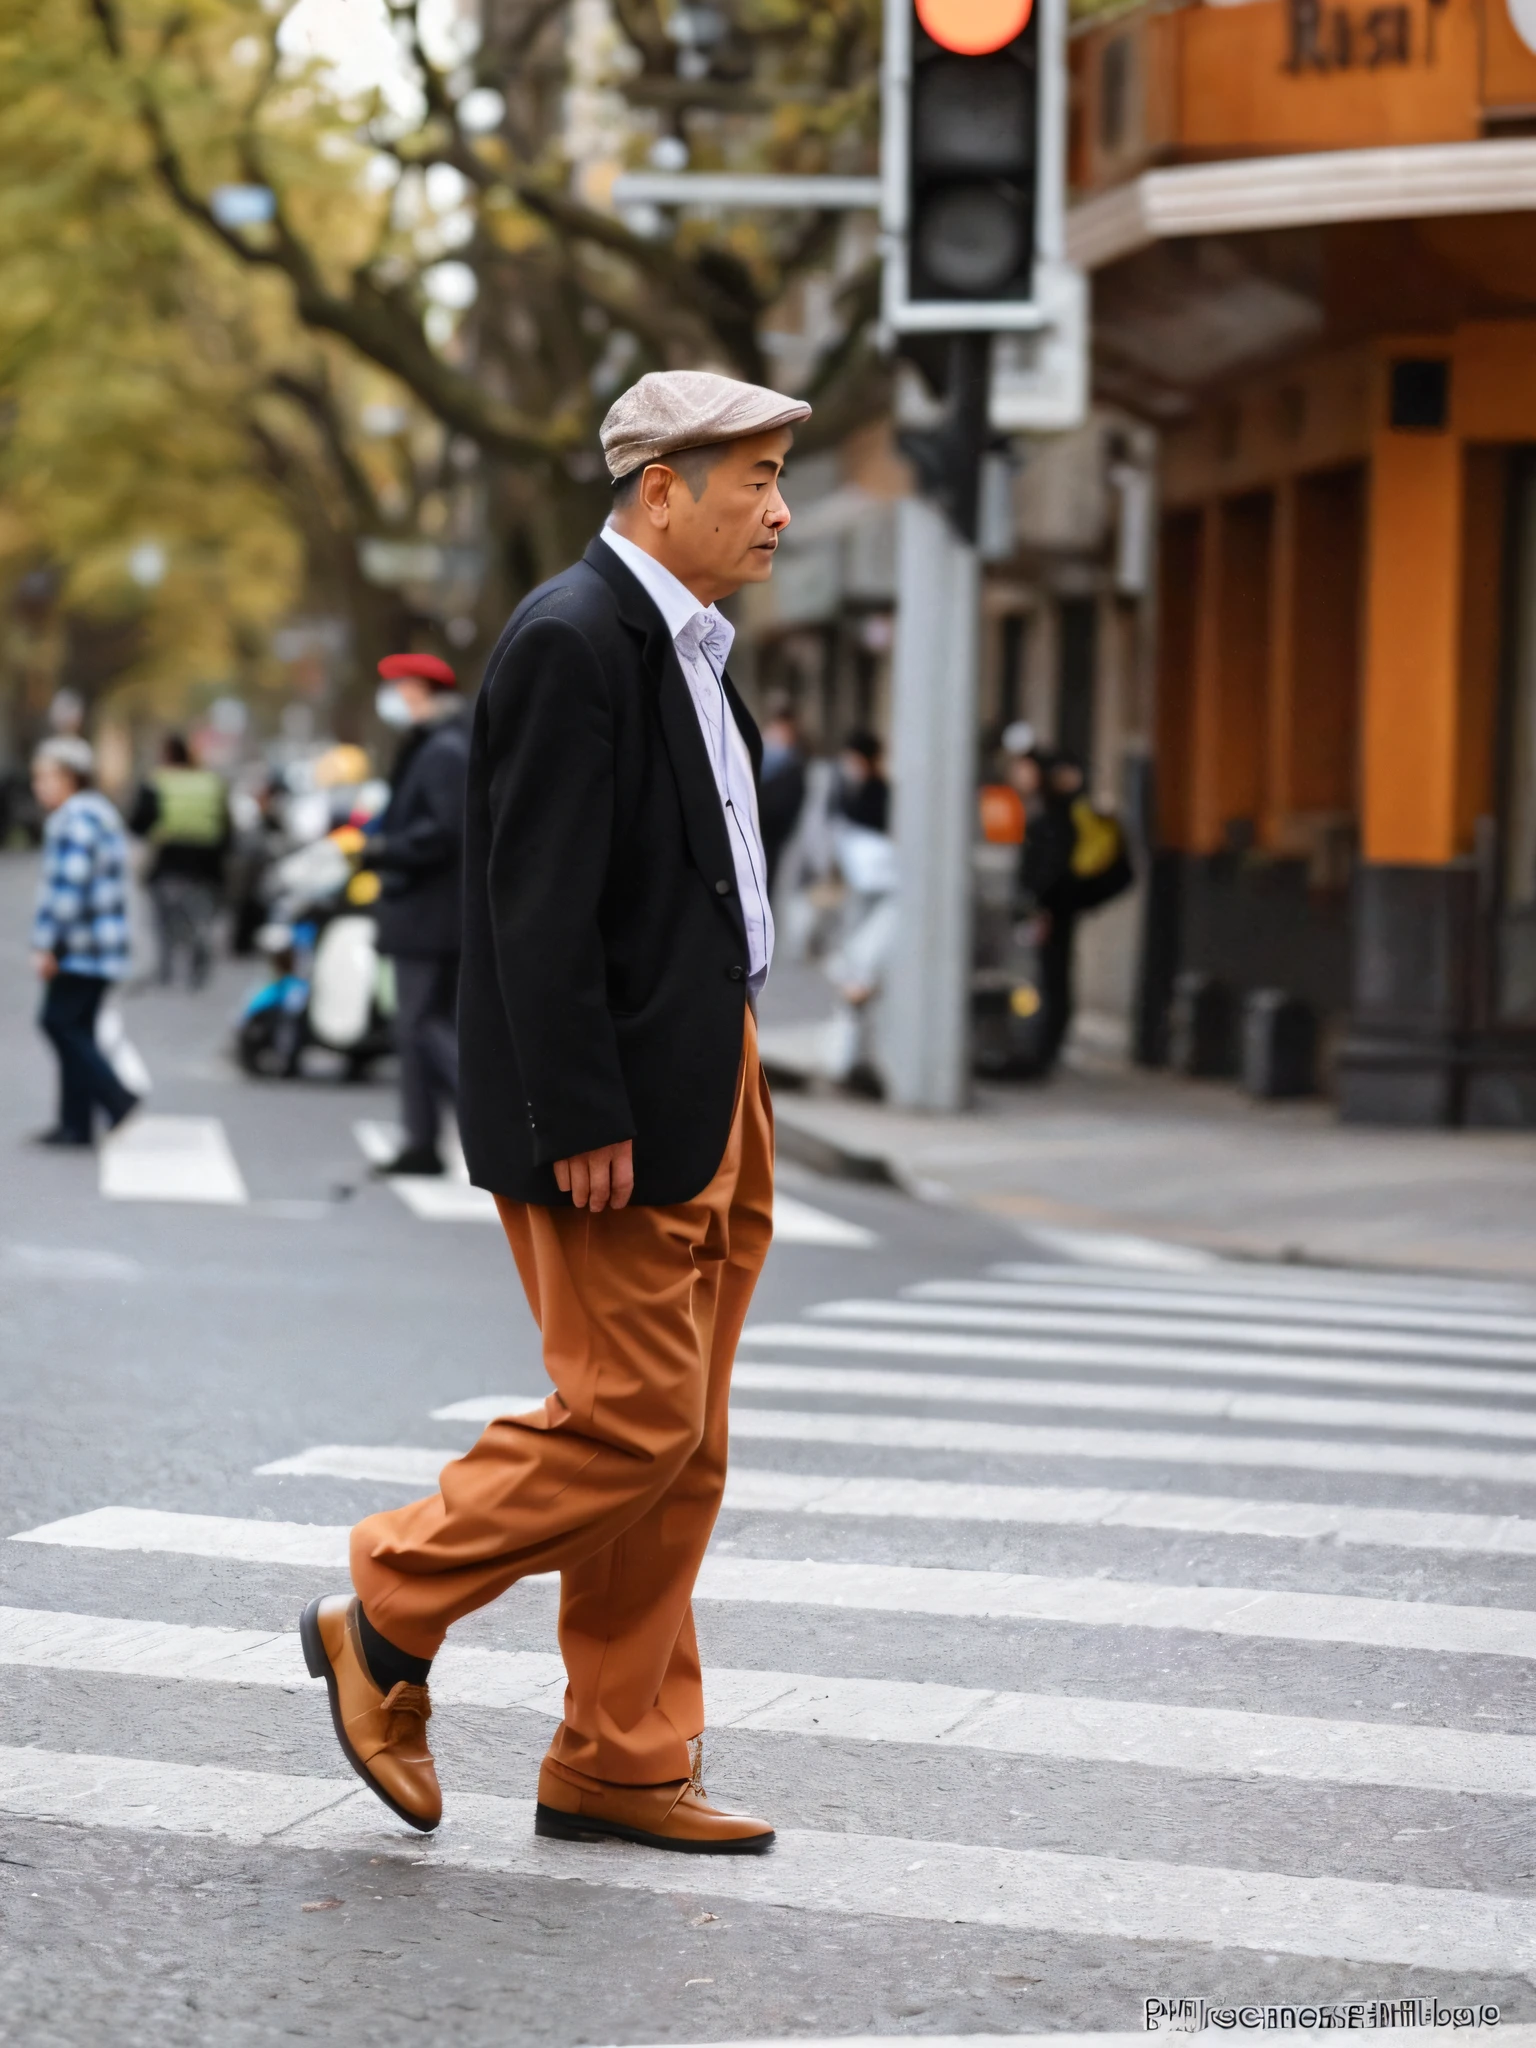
x: 1240, y: 196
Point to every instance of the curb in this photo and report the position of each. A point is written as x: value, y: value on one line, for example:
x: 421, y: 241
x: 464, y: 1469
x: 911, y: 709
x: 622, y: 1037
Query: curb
x: 838, y: 1162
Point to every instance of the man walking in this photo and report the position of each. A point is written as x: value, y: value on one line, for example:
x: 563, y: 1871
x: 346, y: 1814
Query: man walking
x: 418, y: 850
x: 79, y: 934
x: 183, y: 811
x: 616, y: 933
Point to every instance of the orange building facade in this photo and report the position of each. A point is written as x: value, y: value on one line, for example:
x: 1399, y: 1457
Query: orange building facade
x: 1312, y: 233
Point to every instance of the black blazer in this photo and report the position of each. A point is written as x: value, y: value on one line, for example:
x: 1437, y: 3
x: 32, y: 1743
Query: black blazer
x: 420, y: 840
x: 604, y: 978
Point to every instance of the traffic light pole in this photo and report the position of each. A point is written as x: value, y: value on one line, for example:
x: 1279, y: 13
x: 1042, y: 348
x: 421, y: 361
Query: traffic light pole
x: 926, y: 1036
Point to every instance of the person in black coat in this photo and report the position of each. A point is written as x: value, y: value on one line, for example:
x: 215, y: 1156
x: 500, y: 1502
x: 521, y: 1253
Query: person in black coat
x: 418, y: 855
x: 616, y: 931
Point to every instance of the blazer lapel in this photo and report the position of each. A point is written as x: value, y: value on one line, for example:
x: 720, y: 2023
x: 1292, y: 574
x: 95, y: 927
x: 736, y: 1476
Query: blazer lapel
x: 703, y: 813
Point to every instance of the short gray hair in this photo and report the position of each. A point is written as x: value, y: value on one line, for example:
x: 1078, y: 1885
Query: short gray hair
x: 75, y: 756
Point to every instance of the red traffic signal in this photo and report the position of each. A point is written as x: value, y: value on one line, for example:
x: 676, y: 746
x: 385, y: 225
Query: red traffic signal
x: 974, y: 28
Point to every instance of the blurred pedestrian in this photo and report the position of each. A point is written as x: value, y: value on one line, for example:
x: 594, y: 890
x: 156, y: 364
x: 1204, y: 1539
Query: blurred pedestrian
x: 1073, y: 861
x: 418, y: 851
x: 781, y: 791
x: 866, y: 860
x: 183, y: 812
x: 617, y: 930
x: 864, y: 795
x: 79, y: 934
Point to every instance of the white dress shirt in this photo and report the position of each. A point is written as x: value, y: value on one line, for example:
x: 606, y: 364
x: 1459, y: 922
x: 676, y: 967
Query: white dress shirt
x: 703, y: 642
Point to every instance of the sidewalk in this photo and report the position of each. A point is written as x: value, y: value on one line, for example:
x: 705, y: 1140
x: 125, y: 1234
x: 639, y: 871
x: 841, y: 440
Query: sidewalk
x: 1193, y: 1162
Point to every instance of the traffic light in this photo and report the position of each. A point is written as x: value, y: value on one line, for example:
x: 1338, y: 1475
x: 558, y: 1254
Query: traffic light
x: 964, y: 123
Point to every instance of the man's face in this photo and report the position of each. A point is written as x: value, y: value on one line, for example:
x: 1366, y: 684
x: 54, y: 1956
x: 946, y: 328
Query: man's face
x: 1024, y: 774
x: 51, y: 784
x: 725, y: 537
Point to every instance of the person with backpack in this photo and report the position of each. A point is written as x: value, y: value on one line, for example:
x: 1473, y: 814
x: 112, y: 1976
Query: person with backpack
x: 1073, y: 860
x: 183, y: 812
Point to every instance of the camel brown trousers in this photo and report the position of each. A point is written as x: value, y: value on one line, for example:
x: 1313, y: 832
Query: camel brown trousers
x: 616, y: 1481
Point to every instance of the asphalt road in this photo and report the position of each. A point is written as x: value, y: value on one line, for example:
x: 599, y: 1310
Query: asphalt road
x: 1091, y: 1631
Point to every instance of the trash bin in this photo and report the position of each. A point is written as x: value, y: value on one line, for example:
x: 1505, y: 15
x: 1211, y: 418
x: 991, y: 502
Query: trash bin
x: 1202, y: 1026
x: 1279, y: 1045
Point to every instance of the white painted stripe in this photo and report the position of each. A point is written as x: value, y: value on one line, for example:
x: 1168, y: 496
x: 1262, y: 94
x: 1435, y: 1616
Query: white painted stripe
x: 1251, y: 1279
x: 451, y: 1199
x: 1118, y: 1603
x: 170, y: 1159
x: 1342, y: 1370
x: 1160, y: 1301
x: 1125, y: 1357
x: 1252, y: 1336
x: 1031, y: 1440
x: 443, y: 1200
x: 904, y: 1589
x: 393, y: 1464
x: 1297, y: 1411
x: 753, y: 1491
x: 895, y: 1877
x: 1201, y: 1741
x: 311, y: 1544
x: 435, y: 1198
x: 749, y: 1490
x: 1154, y: 1446
x: 796, y: 1222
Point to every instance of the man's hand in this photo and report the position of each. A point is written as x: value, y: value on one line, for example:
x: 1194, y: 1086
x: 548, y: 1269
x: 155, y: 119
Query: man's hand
x: 604, y: 1179
x: 45, y: 966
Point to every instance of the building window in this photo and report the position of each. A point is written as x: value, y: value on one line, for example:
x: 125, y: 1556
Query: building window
x: 1421, y: 394
x: 1114, y: 94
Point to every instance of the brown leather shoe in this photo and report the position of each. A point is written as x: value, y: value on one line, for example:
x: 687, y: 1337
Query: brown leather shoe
x: 576, y: 1808
x: 383, y: 1736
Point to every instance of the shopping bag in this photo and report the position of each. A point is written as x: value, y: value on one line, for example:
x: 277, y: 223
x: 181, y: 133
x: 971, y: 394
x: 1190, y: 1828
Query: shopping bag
x: 120, y: 1052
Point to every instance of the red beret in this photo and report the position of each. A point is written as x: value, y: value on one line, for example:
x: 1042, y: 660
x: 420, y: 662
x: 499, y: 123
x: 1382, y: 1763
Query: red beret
x: 426, y: 666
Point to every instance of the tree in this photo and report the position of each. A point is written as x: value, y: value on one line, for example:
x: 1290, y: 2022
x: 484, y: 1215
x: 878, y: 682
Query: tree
x: 451, y: 249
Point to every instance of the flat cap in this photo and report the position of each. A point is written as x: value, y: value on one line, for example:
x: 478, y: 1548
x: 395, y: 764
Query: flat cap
x: 673, y: 409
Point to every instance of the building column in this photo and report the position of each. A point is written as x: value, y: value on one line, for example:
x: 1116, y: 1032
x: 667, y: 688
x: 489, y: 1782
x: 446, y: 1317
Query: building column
x: 1416, y: 893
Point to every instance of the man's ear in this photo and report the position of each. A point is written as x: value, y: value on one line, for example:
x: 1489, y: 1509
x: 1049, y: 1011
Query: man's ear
x: 656, y: 486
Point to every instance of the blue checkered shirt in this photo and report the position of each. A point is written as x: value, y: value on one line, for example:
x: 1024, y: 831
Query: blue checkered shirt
x: 82, y: 898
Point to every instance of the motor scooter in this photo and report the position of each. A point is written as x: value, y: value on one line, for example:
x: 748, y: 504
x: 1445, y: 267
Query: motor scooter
x: 328, y: 985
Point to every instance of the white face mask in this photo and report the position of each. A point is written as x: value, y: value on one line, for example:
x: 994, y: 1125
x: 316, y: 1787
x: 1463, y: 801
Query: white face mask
x: 389, y: 702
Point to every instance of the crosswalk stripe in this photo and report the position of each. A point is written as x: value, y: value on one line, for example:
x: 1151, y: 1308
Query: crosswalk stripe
x: 749, y: 1490
x: 451, y: 1199
x: 1034, y: 1440
x: 902, y: 1589
x: 1202, y: 1741
x: 1296, y: 1410
x: 895, y: 1877
x: 1253, y: 1335
x: 797, y: 1222
x: 1142, y: 1446
x: 1340, y: 1315
x: 1254, y: 1282
x: 1226, y: 1363
x: 893, y: 1342
x: 170, y: 1159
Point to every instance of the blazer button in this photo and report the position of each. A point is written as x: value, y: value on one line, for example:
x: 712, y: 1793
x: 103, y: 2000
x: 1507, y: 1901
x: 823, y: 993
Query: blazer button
x: 722, y: 888
x: 736, y: 973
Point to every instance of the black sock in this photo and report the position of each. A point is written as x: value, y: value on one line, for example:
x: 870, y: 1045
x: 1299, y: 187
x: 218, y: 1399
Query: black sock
x: 387, y: 1666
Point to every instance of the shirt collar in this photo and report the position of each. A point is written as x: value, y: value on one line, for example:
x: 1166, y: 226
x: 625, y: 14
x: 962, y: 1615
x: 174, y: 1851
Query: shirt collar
x: 674, y: 600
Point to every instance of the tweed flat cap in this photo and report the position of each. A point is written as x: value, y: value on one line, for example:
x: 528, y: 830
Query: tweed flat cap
x: 673, y: 409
